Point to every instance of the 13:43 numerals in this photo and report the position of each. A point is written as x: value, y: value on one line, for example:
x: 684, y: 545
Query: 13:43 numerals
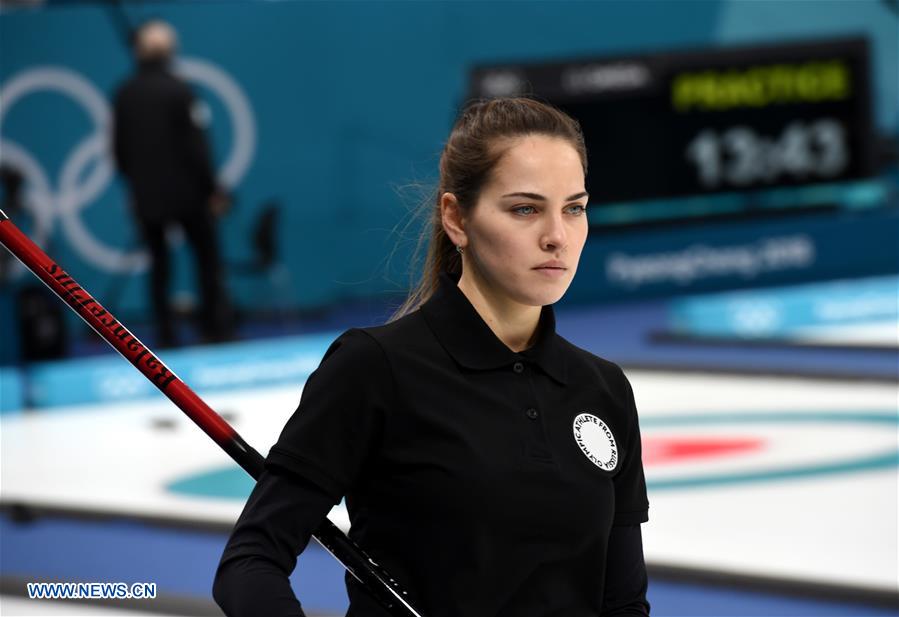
x: 739, y: 157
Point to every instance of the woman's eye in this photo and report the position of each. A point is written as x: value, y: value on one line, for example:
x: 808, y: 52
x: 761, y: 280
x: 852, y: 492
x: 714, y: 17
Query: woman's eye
x: 519, y: 209
x: 578, y: 209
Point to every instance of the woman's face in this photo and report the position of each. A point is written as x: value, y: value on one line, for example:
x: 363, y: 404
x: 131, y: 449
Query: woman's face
x: 524, y: 236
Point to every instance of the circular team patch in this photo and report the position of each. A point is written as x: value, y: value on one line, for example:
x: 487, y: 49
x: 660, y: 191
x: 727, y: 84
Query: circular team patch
x: 596, y: 441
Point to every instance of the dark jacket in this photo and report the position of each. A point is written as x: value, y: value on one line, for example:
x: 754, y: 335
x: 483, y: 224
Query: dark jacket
x: 490, y: 483
x: 159, y: 146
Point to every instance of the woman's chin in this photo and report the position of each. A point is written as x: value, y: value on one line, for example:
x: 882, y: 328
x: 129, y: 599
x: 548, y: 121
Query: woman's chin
x: 542, y: 294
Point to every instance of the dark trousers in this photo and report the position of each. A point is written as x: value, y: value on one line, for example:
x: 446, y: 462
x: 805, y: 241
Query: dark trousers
x: 215, y: 310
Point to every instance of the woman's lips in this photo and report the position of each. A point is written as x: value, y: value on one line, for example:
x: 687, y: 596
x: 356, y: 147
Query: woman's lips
x: 552, y: 272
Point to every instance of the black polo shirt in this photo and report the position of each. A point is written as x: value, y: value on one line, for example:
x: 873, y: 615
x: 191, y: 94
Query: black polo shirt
x: 486, y: 481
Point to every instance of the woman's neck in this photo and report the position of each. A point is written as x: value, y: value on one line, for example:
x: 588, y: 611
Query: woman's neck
x: 513, y: 323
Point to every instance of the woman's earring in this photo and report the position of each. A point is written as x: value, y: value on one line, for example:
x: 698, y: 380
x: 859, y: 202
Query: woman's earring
x: 459, y: 248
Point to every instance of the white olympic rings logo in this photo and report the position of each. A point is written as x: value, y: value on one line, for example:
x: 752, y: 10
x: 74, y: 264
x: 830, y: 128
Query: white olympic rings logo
x: 88, y: 170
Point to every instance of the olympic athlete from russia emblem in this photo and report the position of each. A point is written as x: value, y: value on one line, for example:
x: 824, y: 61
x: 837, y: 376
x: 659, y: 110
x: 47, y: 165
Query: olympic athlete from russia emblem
x: 596, y: 441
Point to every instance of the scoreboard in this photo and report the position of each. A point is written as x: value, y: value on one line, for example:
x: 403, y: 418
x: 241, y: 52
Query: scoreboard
x: 690, y: 134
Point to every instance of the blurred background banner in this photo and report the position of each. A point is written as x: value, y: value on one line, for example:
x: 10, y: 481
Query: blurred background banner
x: 742, y: 265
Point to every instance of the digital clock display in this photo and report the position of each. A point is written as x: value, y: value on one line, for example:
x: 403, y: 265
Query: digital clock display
x: 740, y: 157
x: 703, y: 123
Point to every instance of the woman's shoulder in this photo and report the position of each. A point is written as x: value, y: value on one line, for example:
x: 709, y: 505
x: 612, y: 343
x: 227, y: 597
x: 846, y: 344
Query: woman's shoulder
x: 402, y: 332
x: 584, y: 365
x: 370, y: 353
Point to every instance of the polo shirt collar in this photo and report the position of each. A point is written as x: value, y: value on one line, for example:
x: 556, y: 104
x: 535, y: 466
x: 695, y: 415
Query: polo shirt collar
x: 470, y: 341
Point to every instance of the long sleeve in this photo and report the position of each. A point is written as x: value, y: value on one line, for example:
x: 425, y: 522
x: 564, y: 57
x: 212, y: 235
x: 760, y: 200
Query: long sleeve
x: 317, y: 459
x: 338, y: 426
x: 631, y: 502
x: 626, y: 580
x: 274, y: 527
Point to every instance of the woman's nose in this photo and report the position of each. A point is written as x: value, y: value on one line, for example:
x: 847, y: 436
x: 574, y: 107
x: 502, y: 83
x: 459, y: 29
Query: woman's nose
x: 554, y: 234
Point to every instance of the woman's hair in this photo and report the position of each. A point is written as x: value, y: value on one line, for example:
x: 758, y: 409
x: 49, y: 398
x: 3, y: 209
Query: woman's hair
x: 480, y: 137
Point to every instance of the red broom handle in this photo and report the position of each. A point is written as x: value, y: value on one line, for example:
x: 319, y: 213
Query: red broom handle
x: 373, y: 577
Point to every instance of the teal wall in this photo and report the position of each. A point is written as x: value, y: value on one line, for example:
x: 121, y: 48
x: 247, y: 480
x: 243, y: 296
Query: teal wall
x: 350, y: 103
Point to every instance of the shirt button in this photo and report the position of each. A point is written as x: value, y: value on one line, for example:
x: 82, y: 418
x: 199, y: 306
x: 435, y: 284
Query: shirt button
x: 532, y: 413
x: 518, y: 367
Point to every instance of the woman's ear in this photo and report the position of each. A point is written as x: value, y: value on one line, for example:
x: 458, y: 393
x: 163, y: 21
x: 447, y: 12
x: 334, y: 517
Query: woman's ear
x: 453, y: 219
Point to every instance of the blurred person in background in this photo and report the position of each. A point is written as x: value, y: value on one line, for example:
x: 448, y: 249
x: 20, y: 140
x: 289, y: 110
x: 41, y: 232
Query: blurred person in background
x: 490, y: 465
x: 160, y: 148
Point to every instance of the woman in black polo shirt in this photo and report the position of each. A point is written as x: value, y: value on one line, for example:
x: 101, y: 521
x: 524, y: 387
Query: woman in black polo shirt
x: 490, y: 465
